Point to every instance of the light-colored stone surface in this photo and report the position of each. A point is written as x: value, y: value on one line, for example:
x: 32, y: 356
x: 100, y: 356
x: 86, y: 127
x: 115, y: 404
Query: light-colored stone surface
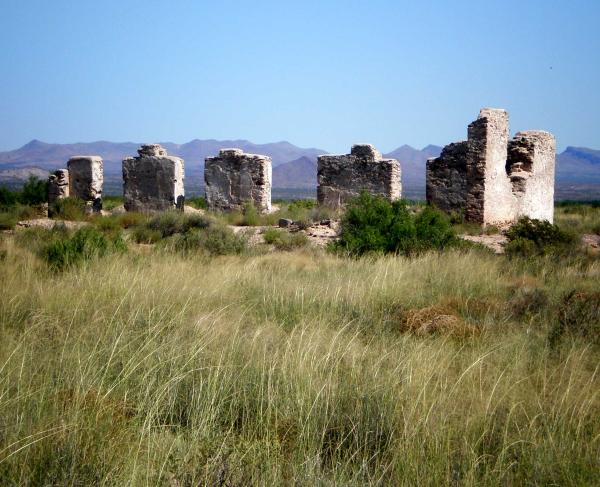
x: 49, y: 224
x: 495, y: 242
x: 342, y: 177
x: 86, y: 177
x: 531, y: 162
x: 489, y: 199
x: 153, y: 181
x: 234, y: 178
x: 58, y: 186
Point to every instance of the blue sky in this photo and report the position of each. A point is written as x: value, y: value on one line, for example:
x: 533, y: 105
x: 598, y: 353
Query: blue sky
x: 323, y: 73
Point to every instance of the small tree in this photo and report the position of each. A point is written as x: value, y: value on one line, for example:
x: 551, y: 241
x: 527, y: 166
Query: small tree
x: 35, y: 191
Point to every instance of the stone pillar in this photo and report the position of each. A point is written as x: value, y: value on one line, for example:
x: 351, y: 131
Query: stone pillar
x: 153, y: 181
x: 490, y: 199
x: 234, y: 178
x: 342, y: 177
x: 531, y: 165
x: 58, y: 187
x: 86, y: 177
x: 446, y: 186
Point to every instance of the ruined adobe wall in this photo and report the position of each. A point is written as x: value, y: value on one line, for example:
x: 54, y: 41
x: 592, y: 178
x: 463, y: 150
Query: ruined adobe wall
x: 531, y: 166
x: 446, y: 187
x: 58, y: 187
x: 342, y: 177
x: 490, y: 199
x: 86, y: 178
x: 234, y: 178
x: 153, y: 181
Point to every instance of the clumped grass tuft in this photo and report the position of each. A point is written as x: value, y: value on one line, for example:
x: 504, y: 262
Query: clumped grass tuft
x: 283, y: 240
x: 85, y: 244
x: 72, y: 209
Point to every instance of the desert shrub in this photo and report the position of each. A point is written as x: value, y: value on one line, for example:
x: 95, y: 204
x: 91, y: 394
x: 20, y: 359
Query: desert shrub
x: 251, y: 218
x: 283, y: 240
x: 145, y: 235
x: 172, y: 222
x: 111, y: 202
x: 131, y: 219
x: 34, y: 192
x: 374, y: 224
x: 200, y: 203
x: 215, y: 240
x: 530, y: 237
x: 578, y: 316
x: 72, y: 209
x: 86, y: 243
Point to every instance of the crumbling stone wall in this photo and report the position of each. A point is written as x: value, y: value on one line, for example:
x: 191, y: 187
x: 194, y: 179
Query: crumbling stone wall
x: 447, y: 178
x: 342, y: 177
x: 153, y: 181
x: 58, y: 187
x: 490, y: 199
x: 234, y: 178
x: 492, y: 180
x: 86, y: 178
x: 530, y: 166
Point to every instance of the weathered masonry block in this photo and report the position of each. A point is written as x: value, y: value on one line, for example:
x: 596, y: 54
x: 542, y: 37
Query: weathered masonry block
x: 86, y: 178
x: 447, y: 178
x: 58, y: 187
x: 530, y: 166
x: 342, y: 177
x: 490, y: 198
x: 153, y: 181
x: 491, y: 179
x: 234, y: 178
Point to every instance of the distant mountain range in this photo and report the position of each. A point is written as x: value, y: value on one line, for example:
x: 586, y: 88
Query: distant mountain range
x: 293, y: 167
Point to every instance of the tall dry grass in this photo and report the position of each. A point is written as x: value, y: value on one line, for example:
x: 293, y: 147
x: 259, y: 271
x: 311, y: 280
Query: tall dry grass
x: 296, y: 368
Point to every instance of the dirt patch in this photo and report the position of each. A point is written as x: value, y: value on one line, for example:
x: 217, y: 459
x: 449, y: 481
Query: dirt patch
x: 49, y: 224
x: 591, y: 241
x: 495, y: 242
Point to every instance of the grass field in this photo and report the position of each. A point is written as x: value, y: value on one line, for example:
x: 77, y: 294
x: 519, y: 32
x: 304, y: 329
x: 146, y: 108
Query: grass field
x: 153, y: 367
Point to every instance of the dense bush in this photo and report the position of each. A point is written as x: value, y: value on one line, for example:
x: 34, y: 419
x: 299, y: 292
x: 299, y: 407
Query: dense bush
x: 8, y: 197
x: 171, y: 222
x: 35, y: 191
x: 251, y: 218
x: 530, y: 237
x: 84, y: 244
x: 374, y: 224
x: 283, y: 240
x: 72, y: 209
x: 200, y: 203
x: 214, y: 240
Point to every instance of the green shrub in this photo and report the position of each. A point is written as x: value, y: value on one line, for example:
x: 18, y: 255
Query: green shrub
x: 131, y: 219
x: 529, y: 237
x: 215, y: 240
x: 251, y: 218
x: 34, y: 192
x: 145, y: 235
x: 167, y: 223
x: 8, y: 220
x: 86, y: 243
x: 8, y: 197
x: 200, y: 203
x: 374, y: 224
x: 111, y: 202
x: 72, y: 209
x: 283, y: 240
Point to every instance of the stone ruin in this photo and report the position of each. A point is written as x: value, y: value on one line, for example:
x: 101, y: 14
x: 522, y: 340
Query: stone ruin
x: 86, y: 177
x: 234, y: 178
x: 492, y: 180
x: 58, y: 187
x: 83, y: 179
x: 342, y: 177
x: 153, y: 181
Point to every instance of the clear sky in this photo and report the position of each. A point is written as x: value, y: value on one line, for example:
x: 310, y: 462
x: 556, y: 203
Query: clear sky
x: 320, y: 74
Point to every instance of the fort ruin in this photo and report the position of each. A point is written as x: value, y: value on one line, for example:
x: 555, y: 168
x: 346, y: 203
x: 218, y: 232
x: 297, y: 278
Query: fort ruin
x: 233, y: 178
x: 492, y: 180
x: 153, y: 181
x: 342, y: 177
